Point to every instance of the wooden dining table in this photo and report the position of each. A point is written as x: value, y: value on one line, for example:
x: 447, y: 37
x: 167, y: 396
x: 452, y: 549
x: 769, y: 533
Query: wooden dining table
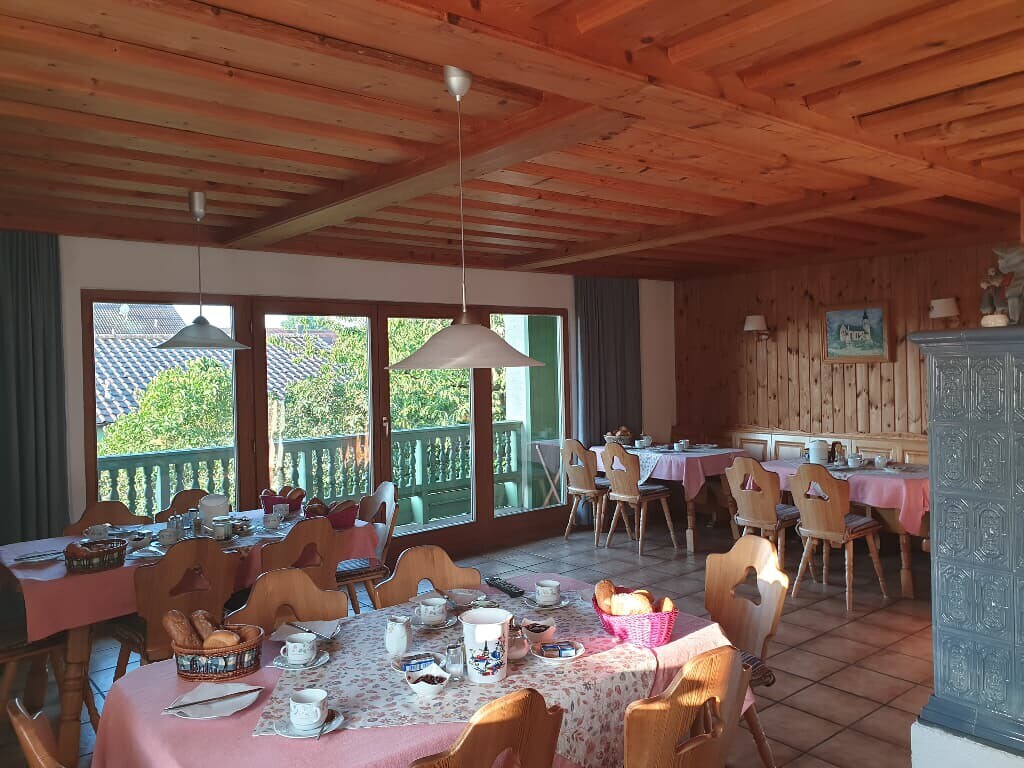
x: 691, y: 467
x: 385, y: 725
x: 58, y: 601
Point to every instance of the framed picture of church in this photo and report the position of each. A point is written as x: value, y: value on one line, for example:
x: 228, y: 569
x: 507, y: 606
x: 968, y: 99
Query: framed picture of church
x: 856, y: 333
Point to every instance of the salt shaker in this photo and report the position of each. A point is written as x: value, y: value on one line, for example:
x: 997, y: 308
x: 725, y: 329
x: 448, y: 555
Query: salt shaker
x: 398, y: 635
x: 455, y: 661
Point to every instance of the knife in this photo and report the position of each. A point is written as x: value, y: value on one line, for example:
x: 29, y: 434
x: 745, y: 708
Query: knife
x: 211, y: 700
x: 312, y: 631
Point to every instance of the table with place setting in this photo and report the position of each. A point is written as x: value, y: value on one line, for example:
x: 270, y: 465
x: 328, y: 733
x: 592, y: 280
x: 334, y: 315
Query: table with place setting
x: 689, y: 465
x: 57, y: 600
x: 375, y: 717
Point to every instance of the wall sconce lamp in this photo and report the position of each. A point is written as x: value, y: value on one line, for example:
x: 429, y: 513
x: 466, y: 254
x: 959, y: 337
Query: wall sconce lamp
x: 757, y: 324
x: 945, y: 309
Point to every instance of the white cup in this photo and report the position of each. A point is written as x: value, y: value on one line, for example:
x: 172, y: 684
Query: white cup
x: 299, y: 648
x: 433, y: 610
x: 881, y: 461
x: 307, y: 709
x: 547, y: 592
x: 854, y: 460
x: 638, y: 443
x: 281, y: 509
x: 168, y: 536
x: 101, y: 531
x: 685, y: 444
x: 271, y: 521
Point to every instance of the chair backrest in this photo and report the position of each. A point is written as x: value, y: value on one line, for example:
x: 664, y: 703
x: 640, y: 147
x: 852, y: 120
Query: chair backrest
x: 195, y: 573
x: 823, y: 501
x: 580, y: 464
x: 289, y: 595
x: 755, y: 489
x: 748, y: 626
x: 310, y: 546
x: 113, y: 512
x: 426, y: 562
x: 384, y: 496
x: 692, y: 722
x: 520, y: 723
x: 182, y: 502
x: 34, y: 735
x: 625, y: 481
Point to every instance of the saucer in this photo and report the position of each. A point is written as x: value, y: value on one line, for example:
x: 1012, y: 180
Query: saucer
x: 450, y: 622
x: 578, y: 646
x: 289, y: 731
x: 321, y: 658
x: 532, y: 603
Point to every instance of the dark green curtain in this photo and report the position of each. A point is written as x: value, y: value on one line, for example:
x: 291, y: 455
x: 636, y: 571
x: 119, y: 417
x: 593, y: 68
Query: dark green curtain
x: 608, y: 340
x: 33, y: 437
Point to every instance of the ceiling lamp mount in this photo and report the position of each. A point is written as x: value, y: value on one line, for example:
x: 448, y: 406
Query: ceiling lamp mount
x: 199, y: 334
x: 464, y: 343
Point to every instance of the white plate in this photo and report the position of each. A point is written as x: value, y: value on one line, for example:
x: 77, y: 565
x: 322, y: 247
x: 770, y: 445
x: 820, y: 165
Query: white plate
x: 448, y: 623
x: 580, y: 650
x: 216, y: 708
x: 289, y: 731
x: 438, y: 659
x: 326, y: 628
x: 144, y: 552
x: 706, y: 446
x: 321, y: 658
x: 567, y: 599
x: 463, y: 597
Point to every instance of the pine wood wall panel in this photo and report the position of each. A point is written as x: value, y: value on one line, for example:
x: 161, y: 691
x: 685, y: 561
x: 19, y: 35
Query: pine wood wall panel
x: 728, y: 379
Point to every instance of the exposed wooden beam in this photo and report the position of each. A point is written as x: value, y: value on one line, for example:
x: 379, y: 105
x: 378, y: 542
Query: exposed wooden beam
x: 553, y: 125
x: 603, y: 12
x: 995, y: 123
x: 749, y: 220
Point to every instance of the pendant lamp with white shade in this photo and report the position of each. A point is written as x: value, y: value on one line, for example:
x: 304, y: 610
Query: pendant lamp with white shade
x: 464, y: 344
x: 199, y: 334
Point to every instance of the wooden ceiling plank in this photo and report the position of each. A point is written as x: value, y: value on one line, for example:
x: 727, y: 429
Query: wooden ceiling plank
x: 815, y: 207
x: 1008, y: 162
x: 554, y: 124
x: 996, y: 123
x: 951, y: 210
x: 604, y: 12
x: 997, y: 57
x: 60, y: 205
x: 114, y: 228
x: 522, y: 213
x: 992, y: 146
x: 954, y: 105
x: 450, y: 219
x: 417, y: 240
x: 134, y: 129
x: 751, y: 19
x: 390, y: 223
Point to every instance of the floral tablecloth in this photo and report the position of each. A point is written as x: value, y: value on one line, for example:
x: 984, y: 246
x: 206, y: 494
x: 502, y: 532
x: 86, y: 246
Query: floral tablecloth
x: 594, y: 690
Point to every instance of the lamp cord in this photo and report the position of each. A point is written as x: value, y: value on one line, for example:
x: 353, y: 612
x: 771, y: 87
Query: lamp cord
x: 199, y: 266
x: 462, y: 221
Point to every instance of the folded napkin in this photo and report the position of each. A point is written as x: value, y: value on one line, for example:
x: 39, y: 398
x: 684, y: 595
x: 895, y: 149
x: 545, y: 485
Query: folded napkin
x: 326, y: 628
x: 180, y: 706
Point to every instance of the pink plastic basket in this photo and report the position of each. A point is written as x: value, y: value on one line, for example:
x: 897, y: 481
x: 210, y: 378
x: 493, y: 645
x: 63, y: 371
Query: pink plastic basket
x: 649, y: 630
x: 268, y: 502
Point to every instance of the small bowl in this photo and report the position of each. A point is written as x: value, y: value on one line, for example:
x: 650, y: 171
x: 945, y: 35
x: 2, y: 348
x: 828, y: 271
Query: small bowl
x: 138, y: 540
x: 463, y: 598
x: 427, y: 690
x: 538, y: 637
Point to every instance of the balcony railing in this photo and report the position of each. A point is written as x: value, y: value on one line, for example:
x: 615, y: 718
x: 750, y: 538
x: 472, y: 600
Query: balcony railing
x: 432, y: 468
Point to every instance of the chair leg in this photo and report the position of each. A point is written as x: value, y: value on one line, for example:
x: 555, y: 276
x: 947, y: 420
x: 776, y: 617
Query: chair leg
x: 805, y: 561
x: 371, y: 590
x: 600, y: 507
x: 641, y: 525
x: 668, y: 521
x: 7, y: 685
x: 849, y: 575
x: 764, y: 749
x: 353, y: 598
x: 780, y: 546
x: 615, y: 521
x: 826, y: 550
x: 572, y: 515
x: 123, y: 656
x: 877, y: 562
x: 35, y: 683
x: 627, y: 510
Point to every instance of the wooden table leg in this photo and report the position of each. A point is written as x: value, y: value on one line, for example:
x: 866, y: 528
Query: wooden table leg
x: 730, y: 504
x: 75, y: 678
x: 906, y: 572
x: 691, y: 525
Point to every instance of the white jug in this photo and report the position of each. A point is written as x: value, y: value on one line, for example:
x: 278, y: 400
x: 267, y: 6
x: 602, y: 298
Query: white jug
x: 486, y: 636
x: 818, y: 452
x: 213, y: 505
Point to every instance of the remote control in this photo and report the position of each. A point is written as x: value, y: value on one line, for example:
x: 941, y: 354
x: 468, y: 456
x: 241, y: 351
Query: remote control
x: 509, y: 589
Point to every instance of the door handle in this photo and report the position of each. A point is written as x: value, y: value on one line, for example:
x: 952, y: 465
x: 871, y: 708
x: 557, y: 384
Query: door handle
x: 385, y: 423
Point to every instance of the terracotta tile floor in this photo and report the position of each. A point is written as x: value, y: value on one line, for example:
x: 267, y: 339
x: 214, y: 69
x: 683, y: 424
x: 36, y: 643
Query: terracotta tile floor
x: 848, y: 684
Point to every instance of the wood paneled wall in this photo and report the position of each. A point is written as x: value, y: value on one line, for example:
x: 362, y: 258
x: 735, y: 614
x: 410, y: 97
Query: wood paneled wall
x: 727, y: 378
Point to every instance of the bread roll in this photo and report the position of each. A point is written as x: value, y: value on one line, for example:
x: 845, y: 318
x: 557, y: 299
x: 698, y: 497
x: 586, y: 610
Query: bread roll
x: 204, y: 623
x: 664, y: 605
x: 222, y: 638
x: 180, y: 630
x: 248, y: 632
x: 285, y: 490
x: 603, y: 592
x: 646, y: 593
x: 295, y: 493
x: 631, y: 605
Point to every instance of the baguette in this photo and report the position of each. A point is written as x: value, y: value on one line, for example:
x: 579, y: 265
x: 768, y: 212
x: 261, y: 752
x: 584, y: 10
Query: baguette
x: 180, y: 630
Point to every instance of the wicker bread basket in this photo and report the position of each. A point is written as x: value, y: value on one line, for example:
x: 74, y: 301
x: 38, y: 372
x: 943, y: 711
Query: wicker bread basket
x: 649, y: 630
x: 219, y: 664
x: 104, y: 555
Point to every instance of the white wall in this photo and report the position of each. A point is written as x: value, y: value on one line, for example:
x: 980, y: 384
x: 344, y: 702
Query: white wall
x: 134, y: 266
x: 932, y: 747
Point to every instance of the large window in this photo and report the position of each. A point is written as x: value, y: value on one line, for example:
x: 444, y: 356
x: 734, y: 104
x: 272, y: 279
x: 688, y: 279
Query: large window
x: 165, y: 418
x: 527, y: 408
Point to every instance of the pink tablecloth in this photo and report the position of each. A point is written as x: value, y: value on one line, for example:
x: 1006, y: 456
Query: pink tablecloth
x: 691, y: 468
x: 56, y: 601
x: 906, y: 492
x: 135, y: 735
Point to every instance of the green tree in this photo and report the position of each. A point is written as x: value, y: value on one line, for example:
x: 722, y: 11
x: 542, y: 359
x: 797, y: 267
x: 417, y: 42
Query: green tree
x: 188, y: 407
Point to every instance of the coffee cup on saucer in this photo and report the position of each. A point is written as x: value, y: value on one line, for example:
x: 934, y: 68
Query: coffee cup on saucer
x: 168, y: 536
x: 432, y: 611
x: 547, y: 592
x: 299, y: 648
x: 100, y: 531
x: 307, y: 709
x: 271, y: 521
